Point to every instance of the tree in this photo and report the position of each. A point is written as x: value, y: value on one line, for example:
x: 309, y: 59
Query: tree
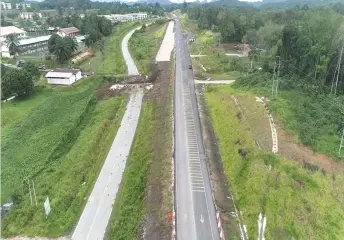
x: 31, y: 68
x: 12, y: 44
x: 64, y: 48
x: 16, y: 82
x: 35, y: 17
x: 52, y: 43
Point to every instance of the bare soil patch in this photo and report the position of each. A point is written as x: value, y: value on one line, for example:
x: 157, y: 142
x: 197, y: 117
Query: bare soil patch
x: 158, y: 195
x: 310, y: 160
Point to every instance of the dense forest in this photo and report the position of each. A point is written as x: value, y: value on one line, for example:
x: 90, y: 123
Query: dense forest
x: 309, y: 41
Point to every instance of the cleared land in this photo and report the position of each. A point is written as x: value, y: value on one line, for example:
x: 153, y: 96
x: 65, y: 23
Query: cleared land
x: 299, y: 202
x: 59, y: 139
x: 217, y: 65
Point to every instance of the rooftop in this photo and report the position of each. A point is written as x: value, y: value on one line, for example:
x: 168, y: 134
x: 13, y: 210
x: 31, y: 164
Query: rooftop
x: 53, y: 74
x: 67, y: 70
x: 33, y: 40
x: 69, y: 30
x: 4, y: 31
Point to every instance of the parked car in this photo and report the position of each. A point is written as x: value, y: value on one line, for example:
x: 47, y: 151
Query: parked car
x: 20, y: 63
x: 42, y: 67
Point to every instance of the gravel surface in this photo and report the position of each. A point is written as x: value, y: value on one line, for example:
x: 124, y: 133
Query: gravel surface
x: 167, y: 45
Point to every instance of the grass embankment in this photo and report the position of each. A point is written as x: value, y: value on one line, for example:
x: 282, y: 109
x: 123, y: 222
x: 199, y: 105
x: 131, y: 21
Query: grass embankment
x: 129, y: 207
x: 144, y: 45
x: 314, y: 118
x: 111, y: 62
x: 59, y: 139
x: 297, y: 203
x: 218, y: 66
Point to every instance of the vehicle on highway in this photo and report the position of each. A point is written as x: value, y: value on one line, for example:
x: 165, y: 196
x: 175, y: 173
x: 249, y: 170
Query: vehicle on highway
x: 190, y: 66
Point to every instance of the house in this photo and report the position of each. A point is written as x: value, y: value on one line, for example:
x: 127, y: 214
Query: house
x: 126, y: 17
x: 28, y: 46
x: 6, y: 6
x: 20, y: 6
x: 68, y: 32
x: 5, y: 31
x: 63, y: 76
x: 29, y: 15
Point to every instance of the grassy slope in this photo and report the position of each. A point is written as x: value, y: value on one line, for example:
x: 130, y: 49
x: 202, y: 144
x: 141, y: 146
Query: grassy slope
x: 63, y: 180
x: 297, y: 203
x: 144, y: 45
x: 129, y: 207
x: 313, y: 119
x: 113, y: 63
x: 38, y: 135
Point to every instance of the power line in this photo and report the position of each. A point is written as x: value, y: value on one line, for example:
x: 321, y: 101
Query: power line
x: 341, y: 145
x: 275, y: 78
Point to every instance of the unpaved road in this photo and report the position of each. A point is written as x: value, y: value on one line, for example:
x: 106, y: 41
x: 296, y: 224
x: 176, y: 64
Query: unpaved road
x: 94, y: 219
x: 195, y: 210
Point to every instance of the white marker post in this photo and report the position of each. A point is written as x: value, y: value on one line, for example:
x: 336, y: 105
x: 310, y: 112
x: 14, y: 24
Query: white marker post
x: 47, y: 207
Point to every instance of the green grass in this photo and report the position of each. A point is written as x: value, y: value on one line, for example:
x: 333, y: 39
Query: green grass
x: 15, y: 111
x: 130, y: 207
x: 59, y: 138
x: 113, y: 63
x: 144, y: 44
x: 297, y: 203
x: 314, y: 119
x: 218, y: 65
x: 62, y: 178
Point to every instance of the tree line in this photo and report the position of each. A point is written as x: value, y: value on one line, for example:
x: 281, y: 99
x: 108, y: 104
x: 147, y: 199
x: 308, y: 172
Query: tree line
x: 309, y: 41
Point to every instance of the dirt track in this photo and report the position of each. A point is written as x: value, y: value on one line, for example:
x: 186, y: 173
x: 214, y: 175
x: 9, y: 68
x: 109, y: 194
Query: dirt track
x: 158, y: 195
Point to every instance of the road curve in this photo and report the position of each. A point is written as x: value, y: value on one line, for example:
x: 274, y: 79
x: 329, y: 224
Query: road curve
x: 195, y: 210
x: 94, y: 219
x: 132, y: 69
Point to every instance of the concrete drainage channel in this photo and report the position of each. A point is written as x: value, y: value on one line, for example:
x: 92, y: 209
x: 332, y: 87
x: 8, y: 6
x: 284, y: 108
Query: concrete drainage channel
x: 94, y: 219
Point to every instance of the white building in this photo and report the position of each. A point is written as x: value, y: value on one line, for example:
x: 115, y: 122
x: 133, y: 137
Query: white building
x: 63, y: 76
x: 27, y: 46
x: 5, y: 31
x: 23, y: 5
x: 29, y: 15
x: 6, y: 6
x: 126, y: 17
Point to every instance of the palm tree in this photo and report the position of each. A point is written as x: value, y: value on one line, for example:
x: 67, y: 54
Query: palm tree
x: 64, y: 48
x: 13, y: 44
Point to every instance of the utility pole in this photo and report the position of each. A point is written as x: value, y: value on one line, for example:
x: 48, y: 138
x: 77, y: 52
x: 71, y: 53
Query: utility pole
x: 341, y: 145
x: 34, y: 191
x: 28, y: 181
x: 275, y: 78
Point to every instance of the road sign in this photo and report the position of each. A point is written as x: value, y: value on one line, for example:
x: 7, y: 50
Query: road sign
x: 47, y: 207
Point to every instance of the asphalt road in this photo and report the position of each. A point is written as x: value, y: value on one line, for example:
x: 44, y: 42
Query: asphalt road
x: 195, y: 211
x: 94, y: 219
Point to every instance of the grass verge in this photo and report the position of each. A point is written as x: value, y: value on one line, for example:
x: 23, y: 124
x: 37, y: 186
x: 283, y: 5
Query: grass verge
x: 297, y: 203
x: 144, y: 45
